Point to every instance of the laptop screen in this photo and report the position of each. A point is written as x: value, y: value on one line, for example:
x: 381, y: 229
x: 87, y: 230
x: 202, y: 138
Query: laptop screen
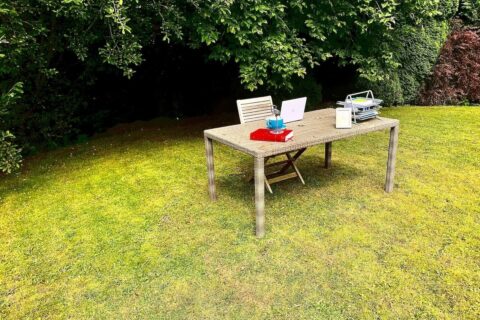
x: 293, y: 110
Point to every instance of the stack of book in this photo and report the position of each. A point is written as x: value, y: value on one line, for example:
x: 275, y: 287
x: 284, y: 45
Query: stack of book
x: 363, y: 108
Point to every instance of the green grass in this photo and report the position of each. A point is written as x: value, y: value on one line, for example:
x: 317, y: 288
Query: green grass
x: 121, y: 227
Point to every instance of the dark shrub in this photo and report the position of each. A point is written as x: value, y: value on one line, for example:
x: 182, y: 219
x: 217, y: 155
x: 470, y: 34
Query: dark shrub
x: 456, y: 76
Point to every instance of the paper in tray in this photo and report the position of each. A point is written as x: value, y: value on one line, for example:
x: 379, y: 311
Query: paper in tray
x: 361, y: 103
x: 365, y: 115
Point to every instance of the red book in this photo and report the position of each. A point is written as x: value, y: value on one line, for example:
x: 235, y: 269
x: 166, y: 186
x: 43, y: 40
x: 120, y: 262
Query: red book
x: 265, y: 135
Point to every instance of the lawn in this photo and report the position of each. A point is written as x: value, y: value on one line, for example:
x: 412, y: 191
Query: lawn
x: 122, y: 227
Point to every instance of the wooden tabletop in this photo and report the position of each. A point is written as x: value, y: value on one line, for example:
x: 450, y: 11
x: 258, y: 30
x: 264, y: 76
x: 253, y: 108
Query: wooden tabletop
x: 317, y: 127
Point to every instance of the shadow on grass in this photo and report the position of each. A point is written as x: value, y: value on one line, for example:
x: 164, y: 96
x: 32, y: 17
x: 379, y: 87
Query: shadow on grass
x: 38, y: 169
x: 237, y: 186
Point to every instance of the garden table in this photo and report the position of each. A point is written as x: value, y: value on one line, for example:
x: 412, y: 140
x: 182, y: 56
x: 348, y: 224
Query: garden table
x: 317, y: 127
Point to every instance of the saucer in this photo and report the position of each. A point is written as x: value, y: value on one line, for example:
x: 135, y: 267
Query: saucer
x: 278, y: 131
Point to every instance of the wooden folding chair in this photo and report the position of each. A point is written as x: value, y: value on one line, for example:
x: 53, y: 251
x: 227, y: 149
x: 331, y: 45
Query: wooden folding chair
x: 258, y: 109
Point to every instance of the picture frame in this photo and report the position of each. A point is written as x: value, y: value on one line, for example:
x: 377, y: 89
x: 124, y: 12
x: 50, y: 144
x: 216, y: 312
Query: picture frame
x: 343, y: 118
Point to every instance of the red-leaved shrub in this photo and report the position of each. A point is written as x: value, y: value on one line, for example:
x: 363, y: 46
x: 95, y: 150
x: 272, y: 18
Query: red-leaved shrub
x: 456, y: 76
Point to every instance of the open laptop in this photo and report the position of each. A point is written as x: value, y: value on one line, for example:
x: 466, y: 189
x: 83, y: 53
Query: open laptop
x: 293, y: 110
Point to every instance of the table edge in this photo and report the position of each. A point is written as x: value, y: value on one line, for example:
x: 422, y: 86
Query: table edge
x: 292, y: 147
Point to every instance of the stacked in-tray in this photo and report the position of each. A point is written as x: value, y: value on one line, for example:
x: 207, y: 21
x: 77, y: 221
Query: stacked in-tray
x: 363, y: 105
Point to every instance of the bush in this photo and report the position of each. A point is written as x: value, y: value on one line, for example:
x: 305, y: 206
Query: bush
x: 49, y: 118
x: 390, y: 90
x: 417, y: 49
x: 10, y: 157
x: 418, y: 53
x: 456, y: 77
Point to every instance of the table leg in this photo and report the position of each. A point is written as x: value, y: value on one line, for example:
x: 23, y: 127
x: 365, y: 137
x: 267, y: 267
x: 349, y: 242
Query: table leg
x: 260, y: 197
x: 392, y: 155
x: 328, y: 155
x: 210, y: 168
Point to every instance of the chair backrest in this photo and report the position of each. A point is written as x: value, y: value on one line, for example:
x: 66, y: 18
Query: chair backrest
x: 254, y: 109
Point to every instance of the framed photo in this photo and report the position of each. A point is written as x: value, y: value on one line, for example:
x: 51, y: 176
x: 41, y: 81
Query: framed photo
x: 343, y: 118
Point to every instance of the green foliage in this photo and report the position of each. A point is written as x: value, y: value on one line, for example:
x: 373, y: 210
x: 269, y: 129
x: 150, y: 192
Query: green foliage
x: 449, y: 8
x: 8, y: 98
x: 416, y: 51
x: 272, y: 41
x: 389, y: 90
x: 10, y: 157
x: 470, y: 11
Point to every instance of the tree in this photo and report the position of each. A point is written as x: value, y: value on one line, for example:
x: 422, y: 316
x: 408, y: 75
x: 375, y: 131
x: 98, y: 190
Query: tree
x: 272, y: 41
